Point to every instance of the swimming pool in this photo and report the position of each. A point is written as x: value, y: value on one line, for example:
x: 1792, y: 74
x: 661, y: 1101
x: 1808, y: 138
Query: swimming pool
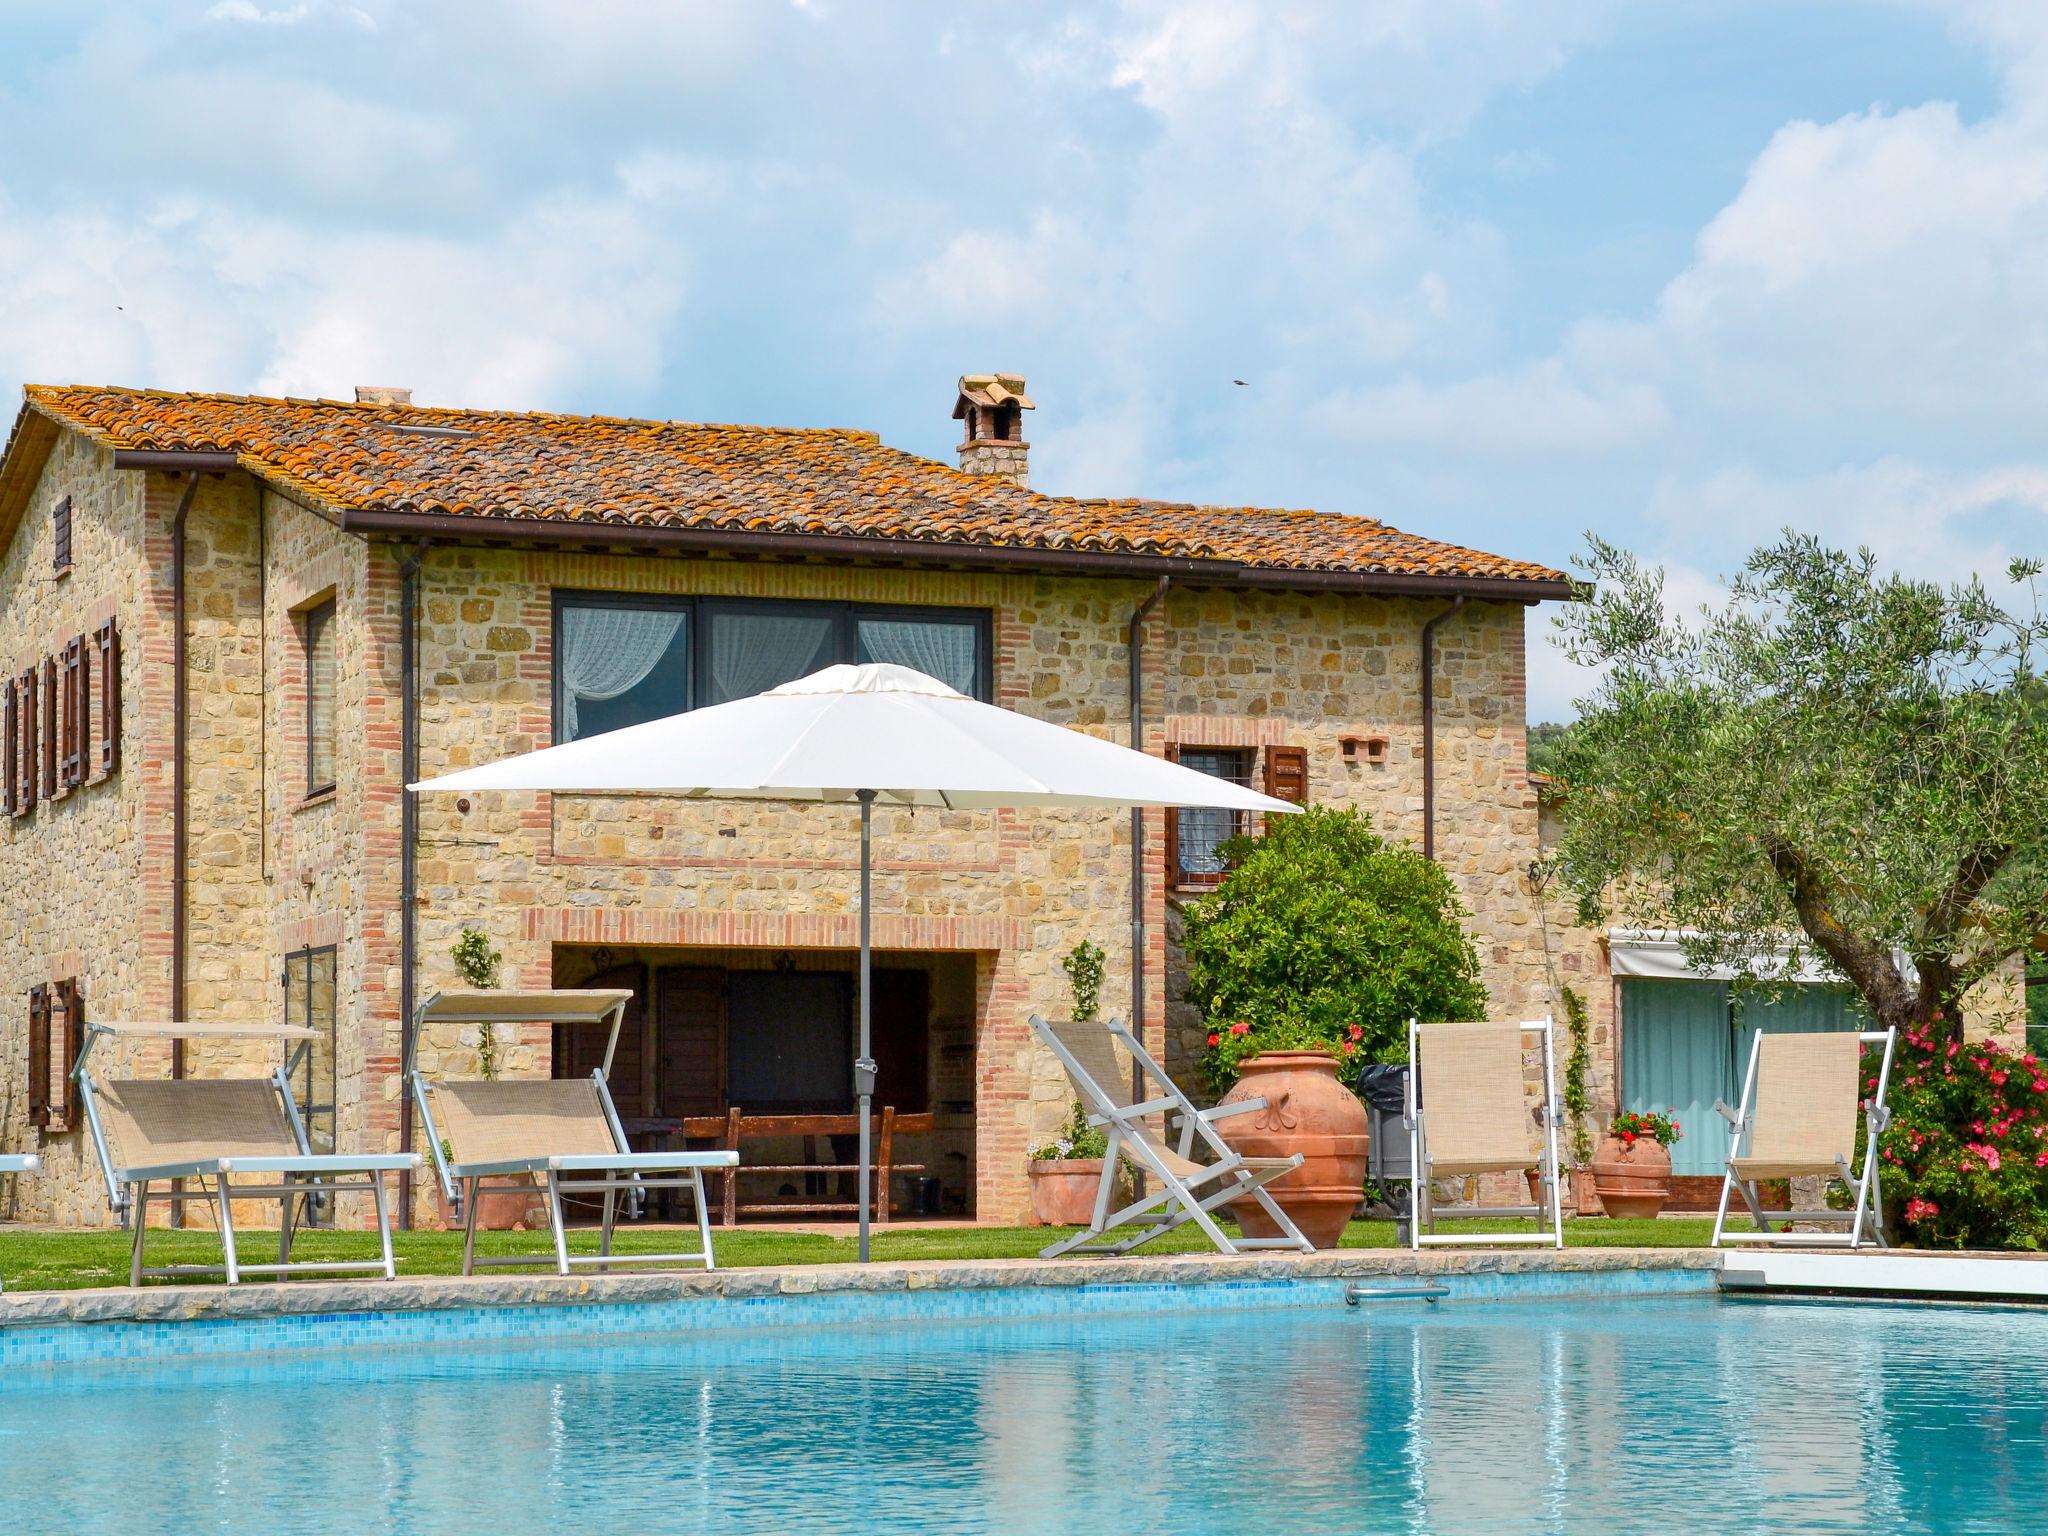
x: 1675, y: 1414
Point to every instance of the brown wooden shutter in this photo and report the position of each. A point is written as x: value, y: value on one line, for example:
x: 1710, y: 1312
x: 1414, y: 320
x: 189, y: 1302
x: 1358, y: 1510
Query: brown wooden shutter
x: 75, y: 686
x: 73, y: 1042
x: 39, y: 1055
x: 50, y: 723
x: 1287, y: 774
x: 108, y: 643
x: 10, y: 745
x: 24, y: 768
x: 60, y: 537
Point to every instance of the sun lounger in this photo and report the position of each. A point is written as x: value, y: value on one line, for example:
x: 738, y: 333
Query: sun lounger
x: 1798, y: 1119
x: 233, y: 1138
x: 18, y: 1162
x: 1187, y: 1191
x: 557, y: 1137
x: 1468, y: 1112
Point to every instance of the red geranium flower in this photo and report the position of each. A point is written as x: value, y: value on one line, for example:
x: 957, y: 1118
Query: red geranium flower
x: 1214, y: 1041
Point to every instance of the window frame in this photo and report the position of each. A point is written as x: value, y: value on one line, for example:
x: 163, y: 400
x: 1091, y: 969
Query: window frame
x: 700, y: 609
x: 301, y: 1058
x: 1178, y: 876
x: 316, y: 622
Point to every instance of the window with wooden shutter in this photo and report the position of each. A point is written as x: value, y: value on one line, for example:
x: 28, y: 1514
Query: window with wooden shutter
x: 39, y: 1055
x: 69, y: 1041
x: 75, y: 687
x: 60, y: 537
x: 50, y: 714
x: 1287, y: 774
x: 108, y: 643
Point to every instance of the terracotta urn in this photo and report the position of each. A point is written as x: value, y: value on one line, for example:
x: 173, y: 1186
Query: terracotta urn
x: 1063, y: 1190
x: 1632, y: 1178
x: 499, y: 1210
x: 1307, y: 1111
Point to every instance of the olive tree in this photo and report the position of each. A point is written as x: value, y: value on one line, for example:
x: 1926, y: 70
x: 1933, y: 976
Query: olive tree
x: 1835, y: 761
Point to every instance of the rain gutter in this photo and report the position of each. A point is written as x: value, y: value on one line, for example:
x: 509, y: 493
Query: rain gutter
x: 1014, y: 557
x: 409, y: 826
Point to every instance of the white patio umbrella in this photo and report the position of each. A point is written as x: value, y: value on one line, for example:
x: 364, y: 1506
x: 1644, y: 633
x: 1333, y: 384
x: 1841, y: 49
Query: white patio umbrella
x: 861, y: 733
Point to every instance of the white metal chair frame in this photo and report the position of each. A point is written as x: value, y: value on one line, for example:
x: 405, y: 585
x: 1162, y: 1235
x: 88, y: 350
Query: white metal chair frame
x: 1868, y: 1186
x: 18, y: 1162
x: 1422, y: 1207
x: 1178, y: 1200
x: 304, y: 1180
x: 572, y: 1175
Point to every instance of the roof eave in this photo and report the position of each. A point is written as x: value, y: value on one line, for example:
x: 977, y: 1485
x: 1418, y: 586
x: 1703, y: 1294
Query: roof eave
x: 1010, y: 557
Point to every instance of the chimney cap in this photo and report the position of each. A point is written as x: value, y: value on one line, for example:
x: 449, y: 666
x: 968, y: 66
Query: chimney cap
x: 382, y: 394
x: 991, y: 389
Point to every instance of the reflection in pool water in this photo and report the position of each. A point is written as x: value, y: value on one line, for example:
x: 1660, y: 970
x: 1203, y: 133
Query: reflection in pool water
x: 1677, y: 1415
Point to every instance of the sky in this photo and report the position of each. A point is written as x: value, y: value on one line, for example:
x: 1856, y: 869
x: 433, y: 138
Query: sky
x: 1500, y: 272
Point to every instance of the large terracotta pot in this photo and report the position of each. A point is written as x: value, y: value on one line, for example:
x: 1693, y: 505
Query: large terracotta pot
x: 1632, y: 1179
x: 1307, y: 1111
x: 1063, y: 1190
x: 499, y: 1210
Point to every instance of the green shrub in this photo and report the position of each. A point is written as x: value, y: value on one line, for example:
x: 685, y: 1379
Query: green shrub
x: 1964, y: 1161
x: 1325, y: 935
x: 1077, y: 1139
x: 1083, y: 966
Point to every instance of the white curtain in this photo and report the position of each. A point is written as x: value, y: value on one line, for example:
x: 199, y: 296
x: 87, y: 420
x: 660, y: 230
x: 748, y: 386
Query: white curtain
x: 941, y: 650
x: 606, y: 651
x: 753, y: 652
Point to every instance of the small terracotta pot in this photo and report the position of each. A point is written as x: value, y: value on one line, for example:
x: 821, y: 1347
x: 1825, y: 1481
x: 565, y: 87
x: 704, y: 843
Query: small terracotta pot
x: 1063, y: 1190
x: 1535, y: 1178
x: 1307, y: 1111
x: 1633, y: 1179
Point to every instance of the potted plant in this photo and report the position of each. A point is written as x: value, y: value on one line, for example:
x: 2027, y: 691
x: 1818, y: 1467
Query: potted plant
x: 479, y: 962
x: 1632, y: 1167
x: 1066, y: 1173
x: 1308, y: 1110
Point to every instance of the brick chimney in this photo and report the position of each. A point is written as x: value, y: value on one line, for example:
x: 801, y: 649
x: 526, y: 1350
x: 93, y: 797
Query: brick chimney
x: 992, y: 406
x: 382, y: 394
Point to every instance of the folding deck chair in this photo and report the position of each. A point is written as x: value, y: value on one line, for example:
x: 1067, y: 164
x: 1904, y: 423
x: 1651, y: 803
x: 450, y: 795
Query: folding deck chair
x: 18, y: 1162
x: 1188, y: 1191
x: 557, y: 1137
x: 234, y: 1138
x: 1798, y: 1118
x: 1477, y: 1119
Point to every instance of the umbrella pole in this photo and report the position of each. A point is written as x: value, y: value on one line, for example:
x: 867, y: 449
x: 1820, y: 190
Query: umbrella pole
x: 864, y: 1066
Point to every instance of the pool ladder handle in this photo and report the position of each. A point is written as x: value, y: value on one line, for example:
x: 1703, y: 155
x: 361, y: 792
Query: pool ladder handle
x: 1354, y: 1293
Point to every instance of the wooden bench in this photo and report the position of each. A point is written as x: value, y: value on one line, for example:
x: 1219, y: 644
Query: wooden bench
x: 735, y: 1127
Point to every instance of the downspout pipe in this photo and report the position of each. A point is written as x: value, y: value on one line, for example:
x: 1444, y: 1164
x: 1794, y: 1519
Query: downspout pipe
x: 1135, y: 649
x: 409, y: 826
x: 180, y: 728
x: 1429, y: 725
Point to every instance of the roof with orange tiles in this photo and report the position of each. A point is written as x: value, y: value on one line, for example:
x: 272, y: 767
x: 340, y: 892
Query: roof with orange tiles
x: 418, y: 469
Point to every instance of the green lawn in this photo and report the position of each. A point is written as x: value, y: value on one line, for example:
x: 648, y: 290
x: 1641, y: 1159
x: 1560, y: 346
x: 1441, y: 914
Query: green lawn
x: 50, y: 1261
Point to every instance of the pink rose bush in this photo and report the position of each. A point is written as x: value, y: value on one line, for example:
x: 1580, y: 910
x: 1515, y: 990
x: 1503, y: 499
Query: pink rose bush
x: 1965, y: 1158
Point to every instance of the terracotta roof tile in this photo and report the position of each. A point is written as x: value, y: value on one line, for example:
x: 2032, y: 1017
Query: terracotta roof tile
x: 534, y: 465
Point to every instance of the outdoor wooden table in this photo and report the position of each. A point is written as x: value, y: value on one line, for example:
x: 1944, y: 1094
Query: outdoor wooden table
x: 735, y: 1126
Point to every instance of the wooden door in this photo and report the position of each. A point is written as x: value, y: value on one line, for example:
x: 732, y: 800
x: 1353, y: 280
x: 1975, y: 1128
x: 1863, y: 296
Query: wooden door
x: 690, y: 1015
x: 579, y: 1048
x: 900, y: 1024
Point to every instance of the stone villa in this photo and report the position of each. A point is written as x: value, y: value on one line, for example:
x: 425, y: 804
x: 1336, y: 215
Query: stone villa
x: 232, y: 629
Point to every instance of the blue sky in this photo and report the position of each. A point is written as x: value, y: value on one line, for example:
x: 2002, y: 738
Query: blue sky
x: 1499, y: 271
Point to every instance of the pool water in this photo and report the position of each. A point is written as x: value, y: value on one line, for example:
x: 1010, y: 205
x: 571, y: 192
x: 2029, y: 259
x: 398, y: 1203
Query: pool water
x: 1638, y: 1415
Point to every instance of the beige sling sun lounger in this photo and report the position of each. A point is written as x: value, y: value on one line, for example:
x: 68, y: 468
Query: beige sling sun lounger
x: 232, y: 1138
x: 1798, y: 1119
x: 1187, y: 1191
x: 18, y: 1162
x: 1468, y: 1113
x: 558, y: 1137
